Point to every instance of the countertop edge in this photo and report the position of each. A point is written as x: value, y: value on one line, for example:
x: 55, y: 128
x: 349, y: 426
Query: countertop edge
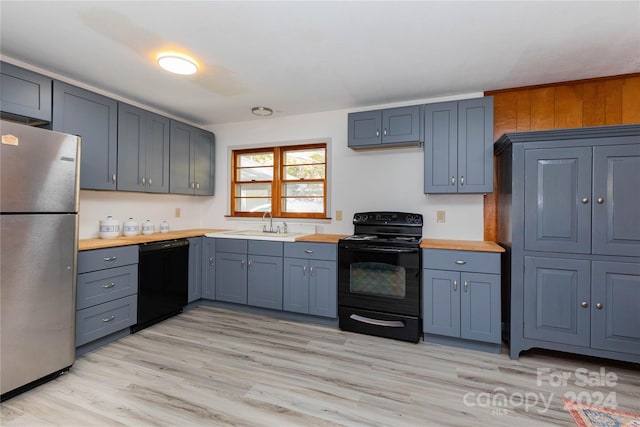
x: 461, y: 245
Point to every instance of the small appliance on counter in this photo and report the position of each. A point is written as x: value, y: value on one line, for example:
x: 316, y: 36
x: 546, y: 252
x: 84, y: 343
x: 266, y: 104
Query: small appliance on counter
x: 379, y: 271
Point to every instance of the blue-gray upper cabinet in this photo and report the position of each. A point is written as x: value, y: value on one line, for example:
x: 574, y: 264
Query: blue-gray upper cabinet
x: 458, y: 149
x: 192, y: 156
x: 24, y: 94
x: 565, y: 214
x: 143, y: 150
x: 95, y: 119
x: 378, y: 128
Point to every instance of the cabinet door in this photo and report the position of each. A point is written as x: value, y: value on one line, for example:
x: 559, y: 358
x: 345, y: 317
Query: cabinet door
x: 615, y: 306
x: 401, y: 125
x: 231, y: 277
x: 441, y: 302
x: 180, y: 178
x: 616, y: 205
x: 295, y: 292
x: 195, y: 268
x: 480, y: 307
x: 157, y: 153
x: 203, y: 162
x: 475, y: 145
x: 323, y: 292
x: 557, y: 295
x: 95, y: 119
x: 264, y: 287
x: 441, y: 147
x: 557, y: 200
x: 209, y: 268
x: 24, y: 93
x: 364, y: 129
x: 131, y: 148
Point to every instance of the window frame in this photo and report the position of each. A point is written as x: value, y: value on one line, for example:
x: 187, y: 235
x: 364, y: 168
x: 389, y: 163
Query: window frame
x: 277, y: 183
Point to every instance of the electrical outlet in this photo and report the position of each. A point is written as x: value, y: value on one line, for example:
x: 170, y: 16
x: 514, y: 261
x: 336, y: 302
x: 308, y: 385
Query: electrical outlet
x: 178, y: 212
x: 338, y: 215
x: 441, y: 217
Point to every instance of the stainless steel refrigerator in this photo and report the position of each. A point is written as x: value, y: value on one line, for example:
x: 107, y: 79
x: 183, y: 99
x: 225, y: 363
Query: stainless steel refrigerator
x: 39, y: 177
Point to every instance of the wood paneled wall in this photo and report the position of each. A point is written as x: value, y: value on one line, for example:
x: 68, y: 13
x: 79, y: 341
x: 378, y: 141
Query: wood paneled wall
x: 585, y: 103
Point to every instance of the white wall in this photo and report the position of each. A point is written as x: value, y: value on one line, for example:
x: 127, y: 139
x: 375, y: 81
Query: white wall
x: 389, y: 179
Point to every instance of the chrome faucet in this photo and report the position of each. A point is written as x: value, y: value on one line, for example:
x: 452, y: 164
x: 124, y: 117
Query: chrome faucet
x: 264, y: 227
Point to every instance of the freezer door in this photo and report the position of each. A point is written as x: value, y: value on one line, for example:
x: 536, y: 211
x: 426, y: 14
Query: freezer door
x: 37, y: 296
x: 38, y: 170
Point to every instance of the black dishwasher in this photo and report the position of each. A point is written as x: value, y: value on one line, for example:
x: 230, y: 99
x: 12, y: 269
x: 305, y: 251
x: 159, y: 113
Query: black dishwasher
x: 163, y: 274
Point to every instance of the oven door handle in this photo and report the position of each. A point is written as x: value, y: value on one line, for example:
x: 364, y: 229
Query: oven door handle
x: 378, y: 322
x: 385, y: 250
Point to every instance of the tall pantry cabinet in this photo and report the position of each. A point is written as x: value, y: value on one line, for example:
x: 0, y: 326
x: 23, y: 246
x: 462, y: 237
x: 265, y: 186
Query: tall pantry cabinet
x: 569, y: 217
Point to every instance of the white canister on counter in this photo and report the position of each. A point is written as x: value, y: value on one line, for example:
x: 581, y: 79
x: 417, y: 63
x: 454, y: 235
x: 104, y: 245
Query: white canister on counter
x: 109, y: 228
x: 164, y: 227
x: 131, y: 227
x: 147, y: 227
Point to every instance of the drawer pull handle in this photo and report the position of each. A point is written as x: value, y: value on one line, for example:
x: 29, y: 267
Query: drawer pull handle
x: 460, y: 262
x: 108, y: 319
x: 110, y: 258
x: 308, y: 251
x: 108, y: 285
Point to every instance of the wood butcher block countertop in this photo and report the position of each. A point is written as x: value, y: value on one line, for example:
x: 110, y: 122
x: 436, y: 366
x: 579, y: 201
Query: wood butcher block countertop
x: 88, y: 244
x: 461, y: 245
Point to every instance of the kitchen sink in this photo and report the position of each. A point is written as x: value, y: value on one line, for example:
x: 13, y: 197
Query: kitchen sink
x: 257, y: 234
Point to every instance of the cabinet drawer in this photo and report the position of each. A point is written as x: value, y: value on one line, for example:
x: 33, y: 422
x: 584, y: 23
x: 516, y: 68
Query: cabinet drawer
x: 99, y: 259
x: 101, y: 286
x: 325, y: 251
x: 236, y: 246
x: 104, y: 319
x: 263, y: 247
x: 478, y: 262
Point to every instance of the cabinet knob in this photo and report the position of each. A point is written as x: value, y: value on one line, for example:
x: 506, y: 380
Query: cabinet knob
x: 311, y: 271
x: 143, y: 180
x: 113, y: 178
x: 453, y: 180
x: 455, y: 285
x: 149, y: 183
x: 462, y: 180
x: 197, y: 185
x: 466, y: 286
x: 385, y: 132
x: 599, y: 306
x: 585, y: 200
x: 585, y: 304
x: 377, y: 132
x: 304, y: 270
x: 211, y: 261
x: 600, y: 200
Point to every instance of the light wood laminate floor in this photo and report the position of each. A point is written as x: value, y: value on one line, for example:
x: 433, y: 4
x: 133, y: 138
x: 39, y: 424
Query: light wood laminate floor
x: 211, y: 366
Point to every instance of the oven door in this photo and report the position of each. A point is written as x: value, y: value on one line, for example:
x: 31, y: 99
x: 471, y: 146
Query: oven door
x: 385, y: 279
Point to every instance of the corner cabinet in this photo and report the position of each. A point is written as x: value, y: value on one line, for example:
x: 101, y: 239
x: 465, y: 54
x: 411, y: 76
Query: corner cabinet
x: 143, y: 150
x: 461, y: 298
x: 24, y: 94
x: 458, y: 148
x: 195, y: 269
x: 192, y: 157
x: 383, y: 128
x: 310, y: 278
x: 94, y: 118
x: 570, y: 213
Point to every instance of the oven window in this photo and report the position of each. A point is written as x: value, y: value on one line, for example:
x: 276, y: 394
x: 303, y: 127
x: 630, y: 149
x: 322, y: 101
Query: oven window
x: 379, y: 279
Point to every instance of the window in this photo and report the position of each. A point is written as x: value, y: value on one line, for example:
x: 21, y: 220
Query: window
x: 289, y: 181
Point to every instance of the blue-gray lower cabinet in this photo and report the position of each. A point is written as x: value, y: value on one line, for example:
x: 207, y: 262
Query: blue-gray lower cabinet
x: 94, y: 118
x: 583, y: 303
x: 195, y: 268
x: 264, y: 281
x: 461, y: 296
x: 209, y: 268
x: 231, y: 277
x: 107, y: 292
x: 310, y: 279
x: 25, y: 94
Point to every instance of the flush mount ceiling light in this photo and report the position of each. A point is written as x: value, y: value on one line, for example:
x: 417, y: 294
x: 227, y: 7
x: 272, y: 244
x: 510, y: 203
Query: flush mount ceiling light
x: 262, y: 111
x: 178, y: 64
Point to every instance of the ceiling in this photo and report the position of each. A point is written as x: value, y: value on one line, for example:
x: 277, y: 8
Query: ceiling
x: 304, y: 57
